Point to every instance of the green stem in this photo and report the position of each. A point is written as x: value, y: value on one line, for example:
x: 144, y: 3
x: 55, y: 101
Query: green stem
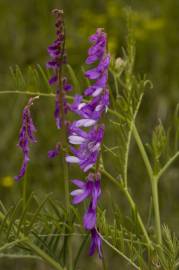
x: 28, y: 93
x: 153, y: 181
x: 143, y: 152
x: 134, y: 208
x: 11, y: 244
x: 52, y: 95
x: 24, y: 191
x: 165, y: 167
x: 156, y: 210
x: 132, y: 204
x: 65, y: 165
x: 120, y: 253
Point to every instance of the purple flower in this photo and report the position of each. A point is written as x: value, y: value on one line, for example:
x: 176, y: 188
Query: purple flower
x: 91, y: 188
x: 66, y: 86
x: 26, y: 136
x: 95, y: 73
x: 87, y: 153
x: 58, y: 58
x: 89, y: 219
x: 91, y: 112
x: 95, y: 243
x: 56, y: 49
x: 86, y: 134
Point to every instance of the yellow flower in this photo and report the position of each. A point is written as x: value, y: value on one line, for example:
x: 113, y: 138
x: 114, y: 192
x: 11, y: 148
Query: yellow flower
x: 7, y: 181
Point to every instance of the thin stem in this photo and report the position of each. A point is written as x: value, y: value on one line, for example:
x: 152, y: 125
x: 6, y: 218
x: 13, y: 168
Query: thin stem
x: 132, y: 204
x: 143, y: 152
x: 120, y: 253
x: 24, y: 191
x: 156, y: 210
x: 11, y: 244
x: 153, y: 181
x: 165, y: 167
x: 20, y: 256
x: 38, y: 93
x: 65, y: 165
x: 134, y: 208
x: 64, y: 143
x: 111, y: 178
x: 29, y: 93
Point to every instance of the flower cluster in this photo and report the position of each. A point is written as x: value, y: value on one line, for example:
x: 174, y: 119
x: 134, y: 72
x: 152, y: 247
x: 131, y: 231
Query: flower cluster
x: 56, y: 50
x: 26, y: 136
x: 58, y: 58
x: 86, y: 134
x: 90, y: 112
x: 89, y: 189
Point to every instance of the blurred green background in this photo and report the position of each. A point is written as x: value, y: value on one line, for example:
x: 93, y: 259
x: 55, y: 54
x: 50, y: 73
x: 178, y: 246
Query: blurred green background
x: 26, y: 29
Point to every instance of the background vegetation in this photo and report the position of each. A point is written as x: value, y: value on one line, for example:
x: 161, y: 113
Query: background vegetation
x: 26, y: 29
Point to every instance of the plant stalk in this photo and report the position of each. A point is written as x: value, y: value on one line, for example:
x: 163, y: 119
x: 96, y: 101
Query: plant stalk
x: 132, y: 204
x: 156, y: 210
x: 65, y: 165
x: 154, y: 184
x: 24, y: 192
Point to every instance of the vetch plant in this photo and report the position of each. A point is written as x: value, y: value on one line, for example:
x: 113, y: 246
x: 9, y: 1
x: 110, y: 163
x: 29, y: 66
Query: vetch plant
x: 26, y: 136
x: 52, y: 231
x: 87, y: 154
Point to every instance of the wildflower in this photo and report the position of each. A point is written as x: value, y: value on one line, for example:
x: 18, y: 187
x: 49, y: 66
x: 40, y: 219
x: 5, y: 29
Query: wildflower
x: 86, y: 134
x: 26, y: 136
x: 87, y: 153
x: 91, y: 111
x: 90, y: 188
x: 56, y: 49
x: 95, y: 243
x: 58, y: 58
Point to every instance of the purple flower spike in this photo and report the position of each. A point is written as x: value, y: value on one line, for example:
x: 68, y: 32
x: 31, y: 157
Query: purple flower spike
x: 95, y: 243
x: 56, y: 49
x: 86, y: 134
x: 26, y: 136
x: 58, y: 58
x: 89, y: 142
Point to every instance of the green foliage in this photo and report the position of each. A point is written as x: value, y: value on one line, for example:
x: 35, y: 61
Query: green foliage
x: 24, y: 233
